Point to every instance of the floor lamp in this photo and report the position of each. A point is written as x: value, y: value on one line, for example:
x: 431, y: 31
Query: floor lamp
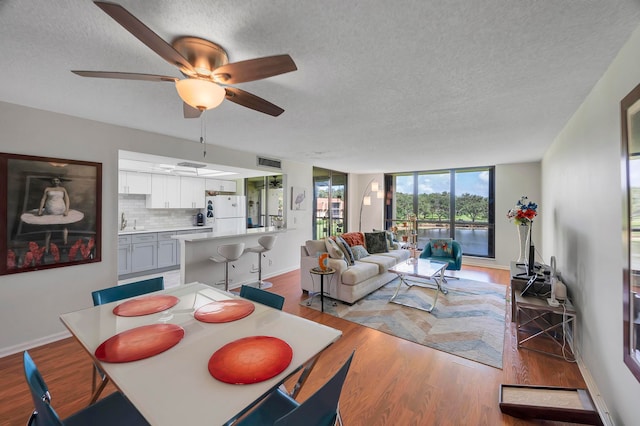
x: 372, y: 186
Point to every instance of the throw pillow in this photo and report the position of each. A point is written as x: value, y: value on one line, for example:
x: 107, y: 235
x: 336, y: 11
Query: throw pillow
x: 390, y: 238
x: 376, y: 242
x: 353, y: 238
x: 348, y: 254
x: 441, y: 247
x: 333, y: 249
x: 359, y: 252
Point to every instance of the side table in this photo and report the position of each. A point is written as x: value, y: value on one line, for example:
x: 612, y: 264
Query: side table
x: 322, y: 273
x: 536, y: 318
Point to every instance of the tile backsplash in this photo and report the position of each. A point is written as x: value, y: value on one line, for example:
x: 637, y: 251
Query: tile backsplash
x: 135, y: 211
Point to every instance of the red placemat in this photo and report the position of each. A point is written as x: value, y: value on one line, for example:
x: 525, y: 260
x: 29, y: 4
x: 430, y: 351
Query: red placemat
x: 145, y: 305
x: 250, y: 360
x: 224, y: 310
x: 139, y: 343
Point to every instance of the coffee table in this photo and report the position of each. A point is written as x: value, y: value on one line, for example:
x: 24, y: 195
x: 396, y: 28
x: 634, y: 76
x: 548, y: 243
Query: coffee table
x: 420, y: 268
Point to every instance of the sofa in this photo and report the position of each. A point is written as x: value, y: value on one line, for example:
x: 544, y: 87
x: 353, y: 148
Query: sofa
x: 357, y: 274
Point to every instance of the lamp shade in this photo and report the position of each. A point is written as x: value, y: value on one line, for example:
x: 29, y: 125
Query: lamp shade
x: 200, y: 94
x: 366, y: 200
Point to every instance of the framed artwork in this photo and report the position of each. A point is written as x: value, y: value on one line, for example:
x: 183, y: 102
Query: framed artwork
x: 50, y: 214
x: 298, y: 198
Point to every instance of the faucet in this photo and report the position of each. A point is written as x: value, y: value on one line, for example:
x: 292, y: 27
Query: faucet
x: 123, y: 222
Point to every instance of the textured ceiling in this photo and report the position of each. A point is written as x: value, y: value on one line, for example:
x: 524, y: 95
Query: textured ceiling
x: 381, y: 85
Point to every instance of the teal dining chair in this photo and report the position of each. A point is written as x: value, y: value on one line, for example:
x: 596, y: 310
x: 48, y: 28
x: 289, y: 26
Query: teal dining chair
x: 124, y: 291
x: 115, y: 409
x: 112, y: 294
x: 261, y: 296
x: 320, y: 409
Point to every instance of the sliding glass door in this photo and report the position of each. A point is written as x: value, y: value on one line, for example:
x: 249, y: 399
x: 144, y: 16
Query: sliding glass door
x: 329, y: 201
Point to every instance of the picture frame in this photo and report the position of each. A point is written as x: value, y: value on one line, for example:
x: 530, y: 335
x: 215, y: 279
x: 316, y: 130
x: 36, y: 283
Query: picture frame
x: 298, y: 198
x: 51, y: 211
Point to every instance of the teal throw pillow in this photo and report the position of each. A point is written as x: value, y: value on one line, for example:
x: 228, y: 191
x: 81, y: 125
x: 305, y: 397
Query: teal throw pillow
x: 441, y: 247
x: 359, y: 252
x: 376, y: 242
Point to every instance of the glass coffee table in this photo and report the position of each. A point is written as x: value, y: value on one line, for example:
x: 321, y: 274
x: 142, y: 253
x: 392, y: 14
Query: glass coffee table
x: 424, y: 269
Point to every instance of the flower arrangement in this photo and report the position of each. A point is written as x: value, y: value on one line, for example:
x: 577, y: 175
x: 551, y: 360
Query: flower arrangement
x: 524, y: 212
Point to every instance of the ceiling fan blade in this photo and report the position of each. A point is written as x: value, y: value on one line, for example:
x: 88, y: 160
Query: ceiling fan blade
x: 249, y: 100
x: 144, y: 34
x: 125, y: 75
x: 189, y: 111
x: 254, y: 69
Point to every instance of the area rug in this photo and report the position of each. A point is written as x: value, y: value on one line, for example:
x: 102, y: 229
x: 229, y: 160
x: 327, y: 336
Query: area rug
x: 468, y: 322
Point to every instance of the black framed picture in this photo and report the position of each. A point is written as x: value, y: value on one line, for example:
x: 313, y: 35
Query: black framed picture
x: 51, y: 212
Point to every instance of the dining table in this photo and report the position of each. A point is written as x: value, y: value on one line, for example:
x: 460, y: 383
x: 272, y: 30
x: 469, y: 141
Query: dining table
x: 188, y: 383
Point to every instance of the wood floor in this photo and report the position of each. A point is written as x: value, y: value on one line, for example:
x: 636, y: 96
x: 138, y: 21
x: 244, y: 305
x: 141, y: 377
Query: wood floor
x: 391, y: 381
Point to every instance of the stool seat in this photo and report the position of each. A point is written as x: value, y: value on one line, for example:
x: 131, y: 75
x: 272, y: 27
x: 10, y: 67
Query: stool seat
x: 228, y: 253
x: 266, y: 243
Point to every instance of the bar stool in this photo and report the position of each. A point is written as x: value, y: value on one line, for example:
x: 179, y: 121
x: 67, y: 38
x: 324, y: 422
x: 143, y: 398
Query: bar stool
x: 228, y: 253
x: 266, y: 243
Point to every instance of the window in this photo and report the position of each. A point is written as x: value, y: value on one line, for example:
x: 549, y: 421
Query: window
x: 329, y: 198
x: 455, y: 203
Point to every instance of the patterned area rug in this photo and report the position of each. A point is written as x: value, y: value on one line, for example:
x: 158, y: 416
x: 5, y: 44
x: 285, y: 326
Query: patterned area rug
x: 468, y: 322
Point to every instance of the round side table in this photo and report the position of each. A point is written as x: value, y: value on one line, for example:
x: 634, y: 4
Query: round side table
x: 322, y: 273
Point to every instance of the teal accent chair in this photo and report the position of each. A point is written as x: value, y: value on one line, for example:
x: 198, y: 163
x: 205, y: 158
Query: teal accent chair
x: 320, y: 409
x: 114, y: 409
x: 452, y: 254
x: 262, y: 296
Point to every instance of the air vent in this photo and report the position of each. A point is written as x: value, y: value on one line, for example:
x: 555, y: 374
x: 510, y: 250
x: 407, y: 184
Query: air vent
x: 269, y: 162
x: 194, y: 165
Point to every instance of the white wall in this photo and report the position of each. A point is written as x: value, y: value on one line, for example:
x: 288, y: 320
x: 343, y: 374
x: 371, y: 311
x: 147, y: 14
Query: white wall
x: 31, y: 302
x: 581, y: 178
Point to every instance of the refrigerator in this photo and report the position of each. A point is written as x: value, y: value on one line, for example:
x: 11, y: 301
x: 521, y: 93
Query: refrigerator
x: 226, y: 214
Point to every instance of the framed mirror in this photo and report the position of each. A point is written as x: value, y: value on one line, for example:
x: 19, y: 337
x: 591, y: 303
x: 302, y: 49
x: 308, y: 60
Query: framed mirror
x: 630, y: 135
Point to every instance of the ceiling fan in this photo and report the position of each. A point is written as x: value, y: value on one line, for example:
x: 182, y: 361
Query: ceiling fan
x: 205, y: 66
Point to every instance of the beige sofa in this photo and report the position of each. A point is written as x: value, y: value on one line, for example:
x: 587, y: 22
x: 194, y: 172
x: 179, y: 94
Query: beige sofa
x: 350, y: 282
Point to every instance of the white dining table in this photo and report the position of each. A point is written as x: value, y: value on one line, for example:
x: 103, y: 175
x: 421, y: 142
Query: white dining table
x: 175, y: 386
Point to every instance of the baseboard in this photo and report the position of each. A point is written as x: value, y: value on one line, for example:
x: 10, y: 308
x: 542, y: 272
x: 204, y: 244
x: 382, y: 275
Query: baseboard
x: 597, y: 398
x: 33, y: 343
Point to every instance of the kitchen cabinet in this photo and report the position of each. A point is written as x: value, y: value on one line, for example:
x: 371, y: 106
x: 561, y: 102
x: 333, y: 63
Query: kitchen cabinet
x: 144, y: 252
x: 165, y: 192
x: 219, y: 185
x: 167, y: 250
x: 134, y: 182
x: 124, y: 254
x: 192, y: 192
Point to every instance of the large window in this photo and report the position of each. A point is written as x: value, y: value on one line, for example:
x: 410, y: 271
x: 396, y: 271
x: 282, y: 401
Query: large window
x: 456, y: 203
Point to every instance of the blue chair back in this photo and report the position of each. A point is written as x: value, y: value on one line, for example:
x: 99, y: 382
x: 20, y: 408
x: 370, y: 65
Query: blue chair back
x: 261, y: 296
x: 44, y: 414
x: 125, y: 291
x: 321, y: 408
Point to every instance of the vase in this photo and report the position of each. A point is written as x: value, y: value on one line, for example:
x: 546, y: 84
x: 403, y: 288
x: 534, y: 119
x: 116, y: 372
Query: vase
x: 523, y: 237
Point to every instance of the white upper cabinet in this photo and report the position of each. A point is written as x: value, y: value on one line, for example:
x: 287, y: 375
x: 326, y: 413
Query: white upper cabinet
x: 134, y: 182
x: 192, y: 192
x: 220, y: 185
x: 165, y: 192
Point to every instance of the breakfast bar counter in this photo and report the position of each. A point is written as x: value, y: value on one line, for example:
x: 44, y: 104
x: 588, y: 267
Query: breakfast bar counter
x: 196, y: 250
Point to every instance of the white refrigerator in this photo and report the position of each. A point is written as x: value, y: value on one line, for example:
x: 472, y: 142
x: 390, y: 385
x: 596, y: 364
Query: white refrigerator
x: 226, y: 214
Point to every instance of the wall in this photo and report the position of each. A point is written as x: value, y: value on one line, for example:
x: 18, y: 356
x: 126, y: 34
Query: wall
x: 581, y: 178
x: 31, y: 302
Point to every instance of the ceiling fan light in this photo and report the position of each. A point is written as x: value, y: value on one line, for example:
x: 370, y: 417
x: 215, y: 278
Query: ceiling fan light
x: 200, y: 94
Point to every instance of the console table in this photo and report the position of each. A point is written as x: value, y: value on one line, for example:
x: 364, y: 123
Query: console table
x: 535, y: 318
